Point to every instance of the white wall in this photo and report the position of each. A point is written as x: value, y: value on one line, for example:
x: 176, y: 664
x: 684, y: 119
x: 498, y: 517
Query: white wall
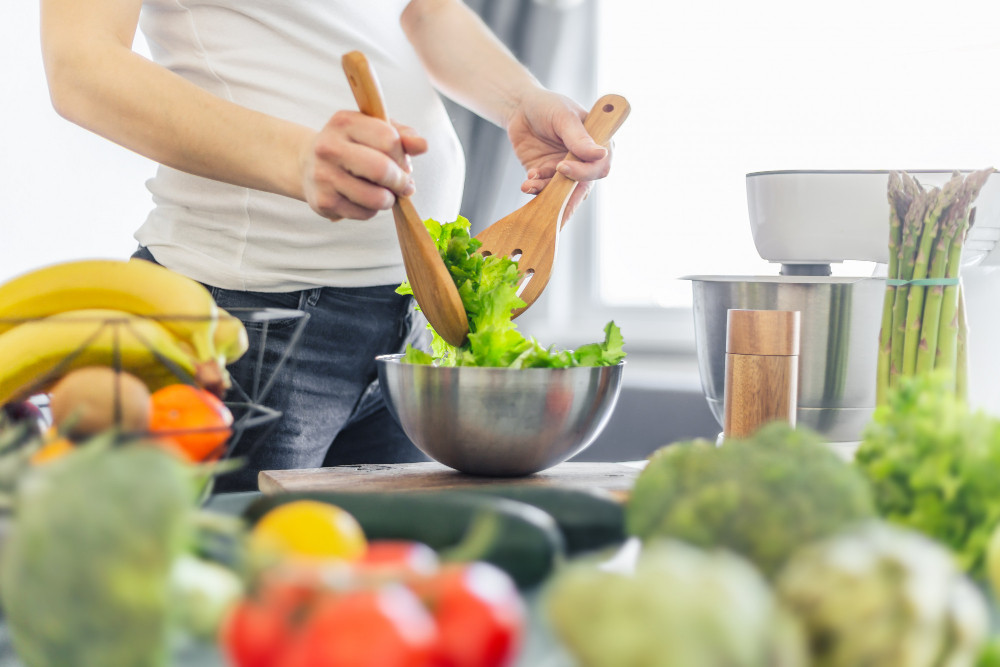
x: 64, y: 192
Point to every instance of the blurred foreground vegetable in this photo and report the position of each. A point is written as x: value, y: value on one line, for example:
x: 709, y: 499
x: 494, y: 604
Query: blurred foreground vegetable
x: 308, y: 613
x: 679, y: 607
x: 762, y: 497
x: 85, y: 577
x: 883, y: 595
x: 933, y: 463
x: 309, y: 529
x: 488, y: 287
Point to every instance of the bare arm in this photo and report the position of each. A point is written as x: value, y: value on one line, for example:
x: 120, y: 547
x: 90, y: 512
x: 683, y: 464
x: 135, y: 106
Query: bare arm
x: 350, y: 168
x: 470, y: 65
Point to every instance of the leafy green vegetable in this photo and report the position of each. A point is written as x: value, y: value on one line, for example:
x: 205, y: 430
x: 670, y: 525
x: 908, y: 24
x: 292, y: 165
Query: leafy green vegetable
x: 762, y: 497
x: 86, y: 573
x: 488, y: 287
x: 933, y: 465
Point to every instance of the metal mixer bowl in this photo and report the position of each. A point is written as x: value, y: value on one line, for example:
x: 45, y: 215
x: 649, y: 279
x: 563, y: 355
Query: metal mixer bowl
x: 499, y: 421
x: 840, y: 321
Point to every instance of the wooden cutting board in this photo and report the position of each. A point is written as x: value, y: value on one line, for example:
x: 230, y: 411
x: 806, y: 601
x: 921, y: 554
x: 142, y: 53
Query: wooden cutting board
x: 615, y: 478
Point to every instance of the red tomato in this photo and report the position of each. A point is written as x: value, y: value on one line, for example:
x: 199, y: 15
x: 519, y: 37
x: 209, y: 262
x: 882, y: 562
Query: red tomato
x: 402, y: 557
x: 259, y: 629
x: 254, y: 635
x: 382, y: 627
x: 480, y: 615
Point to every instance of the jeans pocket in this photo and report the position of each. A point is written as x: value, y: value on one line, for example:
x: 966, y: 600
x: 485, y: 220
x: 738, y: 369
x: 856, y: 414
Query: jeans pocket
x: 245, y: 305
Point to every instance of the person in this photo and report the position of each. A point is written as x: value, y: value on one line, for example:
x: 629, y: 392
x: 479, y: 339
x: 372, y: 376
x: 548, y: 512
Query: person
x: 274, y: 191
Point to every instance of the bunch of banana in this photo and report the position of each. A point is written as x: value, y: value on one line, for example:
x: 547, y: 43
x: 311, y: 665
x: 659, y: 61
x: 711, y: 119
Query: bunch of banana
x: 136, y: 315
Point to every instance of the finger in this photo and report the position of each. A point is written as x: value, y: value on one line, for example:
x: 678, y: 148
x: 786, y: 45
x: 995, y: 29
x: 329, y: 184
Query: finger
x: 366, y: 193
x: 363, y: 162
x: 340, y: 193
x: 537, y: 179
x: 341, y: 208
x: 580, y: 193
x: 579, y: 142
x: 586, y: 171
x: 371, y: 132
x: 335, y: 205
x: 413, y: 143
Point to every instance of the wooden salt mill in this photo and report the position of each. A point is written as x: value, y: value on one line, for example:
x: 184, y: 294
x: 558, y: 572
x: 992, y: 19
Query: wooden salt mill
x: 762, y: 369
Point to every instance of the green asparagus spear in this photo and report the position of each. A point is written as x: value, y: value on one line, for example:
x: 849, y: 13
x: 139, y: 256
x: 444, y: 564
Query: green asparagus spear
x: 950, y: 323
x: 899, y: 204
x: 907, y: 260
x: 950, y: 227
x: 929, y: 235
x: 962, y: 350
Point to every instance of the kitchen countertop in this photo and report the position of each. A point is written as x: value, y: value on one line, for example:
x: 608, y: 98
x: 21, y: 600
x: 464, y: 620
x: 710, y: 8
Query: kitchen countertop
x: 614, y: 478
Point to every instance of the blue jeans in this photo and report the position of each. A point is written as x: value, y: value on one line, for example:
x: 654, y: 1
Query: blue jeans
x: 328, y: 392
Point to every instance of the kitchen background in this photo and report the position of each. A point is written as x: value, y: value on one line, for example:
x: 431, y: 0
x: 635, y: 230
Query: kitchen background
x: 717, y: 90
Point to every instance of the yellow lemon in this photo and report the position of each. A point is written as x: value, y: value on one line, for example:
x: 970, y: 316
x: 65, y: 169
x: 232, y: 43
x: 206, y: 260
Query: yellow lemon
x: 309, y: 528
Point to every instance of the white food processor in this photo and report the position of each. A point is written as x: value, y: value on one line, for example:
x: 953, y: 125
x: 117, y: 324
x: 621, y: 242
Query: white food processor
x: 804, y: 222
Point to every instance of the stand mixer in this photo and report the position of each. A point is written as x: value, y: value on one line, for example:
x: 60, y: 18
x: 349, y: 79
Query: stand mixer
x: 805, y: 221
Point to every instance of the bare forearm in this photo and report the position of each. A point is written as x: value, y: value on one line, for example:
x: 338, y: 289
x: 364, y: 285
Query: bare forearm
x: 96, y: 81
x: 465, y: 60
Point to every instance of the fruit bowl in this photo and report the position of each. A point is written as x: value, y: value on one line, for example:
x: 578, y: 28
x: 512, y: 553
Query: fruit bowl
x: 499, y: 422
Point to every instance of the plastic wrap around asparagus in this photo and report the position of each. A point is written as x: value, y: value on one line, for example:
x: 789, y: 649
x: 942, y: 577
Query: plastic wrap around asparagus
x: 923, y: 322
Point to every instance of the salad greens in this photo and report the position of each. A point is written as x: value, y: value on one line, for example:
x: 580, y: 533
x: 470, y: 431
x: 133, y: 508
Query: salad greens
x: 488, y: 287
x: 932, y: 463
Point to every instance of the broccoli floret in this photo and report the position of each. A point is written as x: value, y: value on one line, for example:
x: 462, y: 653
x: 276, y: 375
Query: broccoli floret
x: 884, y: 595
x: 85, y: 575
x: 680, y: 606
x: 762, y: 497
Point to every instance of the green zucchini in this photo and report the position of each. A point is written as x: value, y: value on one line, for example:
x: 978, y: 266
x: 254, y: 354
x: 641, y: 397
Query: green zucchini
x: 587, y: 519
x: 522, y: 539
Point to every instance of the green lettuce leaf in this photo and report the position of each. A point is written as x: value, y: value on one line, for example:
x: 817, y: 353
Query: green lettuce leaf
x: 488, y: 288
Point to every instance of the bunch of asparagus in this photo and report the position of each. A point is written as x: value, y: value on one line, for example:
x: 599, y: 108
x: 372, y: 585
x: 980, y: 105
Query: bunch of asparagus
x: 923, y: 318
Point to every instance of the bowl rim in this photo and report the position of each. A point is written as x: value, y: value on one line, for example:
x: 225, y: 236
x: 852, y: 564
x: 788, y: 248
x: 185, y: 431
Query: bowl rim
x: 817, y: 280
x: 396, y: 357
x: 827, y: 172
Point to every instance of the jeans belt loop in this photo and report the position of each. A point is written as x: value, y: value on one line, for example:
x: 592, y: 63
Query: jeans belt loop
x: 310, y: 297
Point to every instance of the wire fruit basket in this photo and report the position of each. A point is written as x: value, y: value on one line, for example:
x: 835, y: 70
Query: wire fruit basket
x: 137, y: 345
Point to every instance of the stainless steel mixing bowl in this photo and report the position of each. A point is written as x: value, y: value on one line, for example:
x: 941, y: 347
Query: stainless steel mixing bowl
x: 499, y: 421
x: 840, y: 320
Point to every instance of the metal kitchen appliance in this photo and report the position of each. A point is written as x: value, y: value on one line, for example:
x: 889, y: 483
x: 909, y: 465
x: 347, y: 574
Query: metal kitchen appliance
x: 805, y: 221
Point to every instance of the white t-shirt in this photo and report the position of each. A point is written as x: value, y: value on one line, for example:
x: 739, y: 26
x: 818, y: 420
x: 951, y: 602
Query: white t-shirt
x: 282, y: 57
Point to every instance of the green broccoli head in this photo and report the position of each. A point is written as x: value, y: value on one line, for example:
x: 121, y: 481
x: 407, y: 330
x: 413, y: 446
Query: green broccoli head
x: 762, y: 497
x: 678, y: 606
x: 880, y: 594
x: 85, y: 574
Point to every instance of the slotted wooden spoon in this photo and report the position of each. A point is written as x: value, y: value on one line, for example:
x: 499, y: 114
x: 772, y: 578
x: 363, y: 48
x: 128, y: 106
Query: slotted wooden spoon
x: 432, y: 285
x: 532, y: 231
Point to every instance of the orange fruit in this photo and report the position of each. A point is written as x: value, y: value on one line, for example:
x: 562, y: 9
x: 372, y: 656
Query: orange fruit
x: 191, y: 420
x: 52, y: 450
x: 309, y: 528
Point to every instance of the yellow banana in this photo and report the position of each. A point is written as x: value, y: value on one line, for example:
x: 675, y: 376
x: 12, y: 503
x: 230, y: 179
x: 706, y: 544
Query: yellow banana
x: 36, y: 353
x: 136, y: 286
x: 231, y: 341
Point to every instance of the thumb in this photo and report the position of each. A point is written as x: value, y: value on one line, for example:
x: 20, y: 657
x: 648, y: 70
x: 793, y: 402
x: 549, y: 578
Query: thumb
x: 579, y: 142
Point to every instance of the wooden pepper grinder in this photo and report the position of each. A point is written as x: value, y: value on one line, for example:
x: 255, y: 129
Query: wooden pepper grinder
x: 762, y: 369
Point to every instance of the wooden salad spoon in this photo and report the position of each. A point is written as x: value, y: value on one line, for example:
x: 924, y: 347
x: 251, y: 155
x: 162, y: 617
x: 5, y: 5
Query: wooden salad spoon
x: 530, y: 234
x: 433, y: 287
